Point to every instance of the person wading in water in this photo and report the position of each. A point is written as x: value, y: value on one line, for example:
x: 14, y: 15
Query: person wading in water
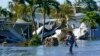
x: 70, y: 40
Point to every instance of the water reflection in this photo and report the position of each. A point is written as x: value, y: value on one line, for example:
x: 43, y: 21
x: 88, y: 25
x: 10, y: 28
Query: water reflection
x: 91, y: 48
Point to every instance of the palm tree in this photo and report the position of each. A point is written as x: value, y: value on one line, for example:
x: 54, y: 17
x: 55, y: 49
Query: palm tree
x: 46, y: 5
x: 90, y: 20
x: 68, y: 2
x: 19, y: 10
x: 64, y: 14
x: 25, y: 10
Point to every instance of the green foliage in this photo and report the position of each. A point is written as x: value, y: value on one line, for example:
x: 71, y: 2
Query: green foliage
x: 91, y: 5
x: 98, y: 19
x: 91, y: 19
x: 68, y: 2
x: 47, y: 5
x: 63, y: 24
x: 65, y: 9
x: 20, y: 10
x: 65, y: 13
x: 34, y: 41
x: 4, y: 12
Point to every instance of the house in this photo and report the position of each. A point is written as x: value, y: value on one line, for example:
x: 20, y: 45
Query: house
x: 15, y: 32
x: 75, y: 24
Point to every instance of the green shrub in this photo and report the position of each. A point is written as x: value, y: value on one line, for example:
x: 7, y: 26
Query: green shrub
x: 35, y: 41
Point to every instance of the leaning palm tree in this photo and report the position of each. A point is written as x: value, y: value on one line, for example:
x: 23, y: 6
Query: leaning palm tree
x: 46, y: 5
x: 64, y: 14
x: 19, y: 10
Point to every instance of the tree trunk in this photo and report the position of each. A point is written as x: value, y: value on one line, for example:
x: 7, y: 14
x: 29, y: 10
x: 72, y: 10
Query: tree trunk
x: 74, y: 9
x: 34, y: 23
x: 67, y: 21
x: 43, y: 25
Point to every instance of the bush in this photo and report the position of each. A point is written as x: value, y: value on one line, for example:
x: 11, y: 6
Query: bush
x: 35, y: 41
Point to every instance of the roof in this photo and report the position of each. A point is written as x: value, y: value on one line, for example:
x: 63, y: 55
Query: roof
x: 21, y: 21
x: 79, y: 16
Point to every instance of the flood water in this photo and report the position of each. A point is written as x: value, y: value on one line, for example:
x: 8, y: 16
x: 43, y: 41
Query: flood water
x: 85, y: 48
